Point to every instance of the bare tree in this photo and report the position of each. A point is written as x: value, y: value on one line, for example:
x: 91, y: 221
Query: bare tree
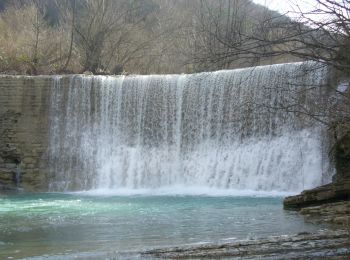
x: 29, y: 43
x: 258, y: 36
x: 105, y: 32
x: 223, y: 33
x: 67, y: 13
x: 322, y: 34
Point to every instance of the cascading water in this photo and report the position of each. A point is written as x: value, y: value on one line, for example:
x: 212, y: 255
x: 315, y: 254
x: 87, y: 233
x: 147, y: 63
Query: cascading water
x: 223, y: 130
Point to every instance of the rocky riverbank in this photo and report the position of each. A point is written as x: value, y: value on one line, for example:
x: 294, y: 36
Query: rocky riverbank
x: 337, y: 213
x: 326, y: 194
x: 324, y: 244
x: 325, y: 204
x: 328, y: 204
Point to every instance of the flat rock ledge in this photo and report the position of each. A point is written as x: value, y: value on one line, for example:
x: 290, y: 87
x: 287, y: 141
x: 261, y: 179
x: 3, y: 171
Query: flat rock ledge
x: 333, y: 192
x: 325, y: 244
x: 337, y: 213
x: 327, y: 204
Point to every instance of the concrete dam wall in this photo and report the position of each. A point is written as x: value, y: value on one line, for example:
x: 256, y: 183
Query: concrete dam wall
x: 216, y: 130
x: 24, y: 109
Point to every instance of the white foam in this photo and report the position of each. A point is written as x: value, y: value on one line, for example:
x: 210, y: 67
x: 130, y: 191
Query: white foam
x: 182, y: 191
x: 143, y: 134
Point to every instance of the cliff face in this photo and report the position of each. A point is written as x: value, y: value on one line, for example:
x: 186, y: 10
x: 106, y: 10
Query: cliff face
x: 24, y: 108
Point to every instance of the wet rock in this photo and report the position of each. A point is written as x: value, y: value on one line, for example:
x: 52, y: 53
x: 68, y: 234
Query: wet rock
x: 10, y: 165
x: 333, y: 213
x: 333, y: 192
x: 324, y: 244
x: 7, y: 188
x: 28, y: 160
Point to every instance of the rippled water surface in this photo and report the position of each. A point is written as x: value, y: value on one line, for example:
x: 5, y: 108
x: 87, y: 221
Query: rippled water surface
x: 64, y: 225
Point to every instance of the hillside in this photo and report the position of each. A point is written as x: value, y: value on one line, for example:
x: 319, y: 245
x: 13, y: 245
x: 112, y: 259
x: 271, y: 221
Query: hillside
x: 112, y: 37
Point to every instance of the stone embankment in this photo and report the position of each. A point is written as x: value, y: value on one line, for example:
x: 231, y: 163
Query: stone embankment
x: 24, y: 108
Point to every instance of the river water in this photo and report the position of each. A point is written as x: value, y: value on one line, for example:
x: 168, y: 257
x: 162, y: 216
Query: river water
x: 58, y: 225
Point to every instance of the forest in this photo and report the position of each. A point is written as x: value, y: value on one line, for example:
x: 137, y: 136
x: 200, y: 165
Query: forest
x: 164, y: 36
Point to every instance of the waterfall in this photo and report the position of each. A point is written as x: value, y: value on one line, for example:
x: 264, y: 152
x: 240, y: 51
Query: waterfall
x: 224, y: 130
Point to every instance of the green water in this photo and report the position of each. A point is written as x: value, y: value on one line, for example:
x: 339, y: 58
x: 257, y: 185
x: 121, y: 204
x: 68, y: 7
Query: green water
x: 66, y: 225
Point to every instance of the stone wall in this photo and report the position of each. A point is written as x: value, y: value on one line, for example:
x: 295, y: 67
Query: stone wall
x: 24, y: 130
x: 24, y: 108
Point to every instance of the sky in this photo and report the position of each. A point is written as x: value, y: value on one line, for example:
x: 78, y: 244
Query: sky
x: 277, y: 5
x: 284, y: 6
x: 292, y: 8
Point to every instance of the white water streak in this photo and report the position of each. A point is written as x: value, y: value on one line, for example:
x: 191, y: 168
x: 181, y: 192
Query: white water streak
x: 215, y: 130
